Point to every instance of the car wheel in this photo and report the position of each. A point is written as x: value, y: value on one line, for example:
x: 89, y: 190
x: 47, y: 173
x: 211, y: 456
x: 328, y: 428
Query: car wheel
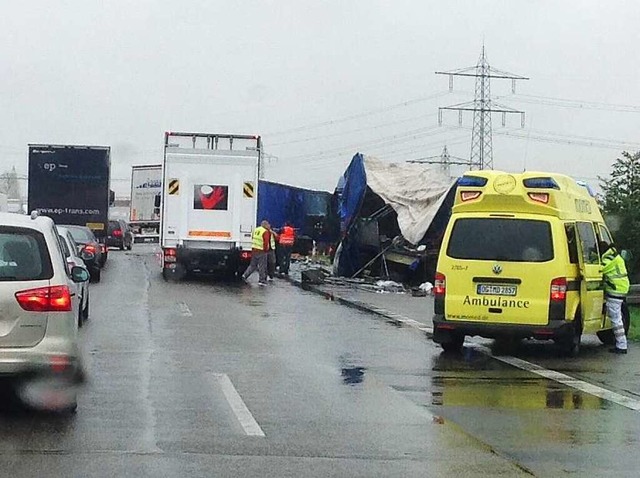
x: 95, y: 275
x: 454, y: 344
x: 85, y: 311
x: 570, y: 343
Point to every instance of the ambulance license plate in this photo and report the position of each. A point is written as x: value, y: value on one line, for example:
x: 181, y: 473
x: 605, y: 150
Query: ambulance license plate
x: 491, y: 289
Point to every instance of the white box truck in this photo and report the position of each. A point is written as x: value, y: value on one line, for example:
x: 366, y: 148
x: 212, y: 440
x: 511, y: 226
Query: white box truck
x: 209, y: 202
x: 144, y: 211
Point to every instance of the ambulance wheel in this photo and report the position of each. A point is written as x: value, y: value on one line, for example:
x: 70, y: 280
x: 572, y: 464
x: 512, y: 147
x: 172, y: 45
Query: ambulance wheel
x: 570, y: 343
x: 606, y: 336
x: 454, y: 344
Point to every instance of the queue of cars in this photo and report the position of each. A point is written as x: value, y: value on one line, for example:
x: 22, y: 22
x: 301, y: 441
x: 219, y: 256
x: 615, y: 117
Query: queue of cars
x: 44, y: 299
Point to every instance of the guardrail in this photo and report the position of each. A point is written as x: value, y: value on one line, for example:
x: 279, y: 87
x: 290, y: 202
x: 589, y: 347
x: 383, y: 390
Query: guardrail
x: 634, y: 294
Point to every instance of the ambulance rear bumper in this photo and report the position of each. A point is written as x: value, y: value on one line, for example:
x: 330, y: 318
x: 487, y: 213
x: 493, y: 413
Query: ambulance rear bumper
x: 444, y: 329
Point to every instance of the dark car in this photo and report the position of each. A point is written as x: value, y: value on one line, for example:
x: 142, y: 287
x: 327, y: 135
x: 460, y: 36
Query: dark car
x: 119, y: 235
x: 91, y: 250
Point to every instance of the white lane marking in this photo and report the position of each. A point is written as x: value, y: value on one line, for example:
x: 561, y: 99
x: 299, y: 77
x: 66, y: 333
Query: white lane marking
x: 559, y: 377
x: 564, y: 379
x: 236, y: 403
x: 184, y: 310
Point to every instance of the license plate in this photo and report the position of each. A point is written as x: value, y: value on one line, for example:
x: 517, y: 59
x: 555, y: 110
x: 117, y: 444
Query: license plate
x: 490, y: 289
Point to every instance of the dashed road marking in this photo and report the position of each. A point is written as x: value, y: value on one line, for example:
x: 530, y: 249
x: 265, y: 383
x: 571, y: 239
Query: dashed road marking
x: 240, y: 410
x: 184, y: 310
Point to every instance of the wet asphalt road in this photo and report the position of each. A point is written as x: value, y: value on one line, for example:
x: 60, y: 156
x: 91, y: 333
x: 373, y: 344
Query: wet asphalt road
x: 204, y: 378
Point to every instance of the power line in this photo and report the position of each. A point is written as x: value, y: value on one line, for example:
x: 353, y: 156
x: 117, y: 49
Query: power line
x: 357, y: 116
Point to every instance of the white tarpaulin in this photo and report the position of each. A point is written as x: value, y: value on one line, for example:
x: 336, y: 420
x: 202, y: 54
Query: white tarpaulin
x: 414, y: 191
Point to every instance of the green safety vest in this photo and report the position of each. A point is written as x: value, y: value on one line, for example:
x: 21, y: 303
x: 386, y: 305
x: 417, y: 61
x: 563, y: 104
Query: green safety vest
x: 614, y: 272
x: 257, y: 241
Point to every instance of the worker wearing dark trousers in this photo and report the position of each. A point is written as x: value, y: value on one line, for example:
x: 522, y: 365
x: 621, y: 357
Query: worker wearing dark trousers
x: 285, y: 245
x: 271, y: 255
x: 259, y: 250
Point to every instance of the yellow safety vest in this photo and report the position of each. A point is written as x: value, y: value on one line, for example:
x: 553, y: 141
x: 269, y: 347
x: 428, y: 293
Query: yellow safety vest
x: 257, y: 241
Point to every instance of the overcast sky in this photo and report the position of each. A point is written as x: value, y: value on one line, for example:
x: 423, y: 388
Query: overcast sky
x: 320, y: 80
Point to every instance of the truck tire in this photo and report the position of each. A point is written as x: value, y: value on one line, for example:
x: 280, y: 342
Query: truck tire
x: 606, y: 336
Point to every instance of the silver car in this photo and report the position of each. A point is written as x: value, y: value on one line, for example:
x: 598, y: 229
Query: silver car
x: 73, y: 257
x: 38, y: 313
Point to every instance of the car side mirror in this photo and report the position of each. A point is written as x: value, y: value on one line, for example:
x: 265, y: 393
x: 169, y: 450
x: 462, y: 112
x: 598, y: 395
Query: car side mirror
x: 79, y: 274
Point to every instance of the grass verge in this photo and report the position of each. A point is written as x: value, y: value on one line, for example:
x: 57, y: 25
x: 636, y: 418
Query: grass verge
x: 634, y: 328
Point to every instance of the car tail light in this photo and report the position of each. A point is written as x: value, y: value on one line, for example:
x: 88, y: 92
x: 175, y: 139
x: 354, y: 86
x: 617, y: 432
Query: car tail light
x: 59, y: 363
x: 117, y: 233
x: 103, y: 247
x: 90, y: 248
x: 440, y: 285
x: 558, y: 291
x: 170, y: 255
x: 45, y: 299
x: 245, y: 255
x: 469, y: 195
x: 540, y: 197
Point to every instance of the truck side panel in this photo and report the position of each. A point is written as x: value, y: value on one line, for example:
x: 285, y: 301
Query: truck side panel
x: 70, y: 184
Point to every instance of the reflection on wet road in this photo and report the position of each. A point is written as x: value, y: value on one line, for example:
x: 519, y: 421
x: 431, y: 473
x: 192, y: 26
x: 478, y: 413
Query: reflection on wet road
x: 204, y: 378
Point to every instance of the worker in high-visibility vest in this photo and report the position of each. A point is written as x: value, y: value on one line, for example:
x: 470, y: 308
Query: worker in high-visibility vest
x: 616, y: 288
x: 261, y: 243
x: 286, y: 239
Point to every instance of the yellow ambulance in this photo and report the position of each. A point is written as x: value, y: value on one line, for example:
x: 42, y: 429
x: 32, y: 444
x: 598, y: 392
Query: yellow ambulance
x: 520, y: 259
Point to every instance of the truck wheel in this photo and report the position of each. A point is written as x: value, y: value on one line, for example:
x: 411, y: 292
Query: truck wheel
x: 454, y: 344
x: 174, y: 275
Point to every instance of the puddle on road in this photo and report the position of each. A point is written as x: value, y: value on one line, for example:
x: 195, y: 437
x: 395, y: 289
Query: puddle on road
x: 351, y: 369
x: 510, y: 393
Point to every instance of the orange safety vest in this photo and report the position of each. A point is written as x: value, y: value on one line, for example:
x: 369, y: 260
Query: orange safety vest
x: 288, y: 236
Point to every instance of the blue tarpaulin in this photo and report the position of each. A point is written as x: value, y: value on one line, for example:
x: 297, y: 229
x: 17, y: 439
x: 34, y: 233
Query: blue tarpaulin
x: 309, y: 211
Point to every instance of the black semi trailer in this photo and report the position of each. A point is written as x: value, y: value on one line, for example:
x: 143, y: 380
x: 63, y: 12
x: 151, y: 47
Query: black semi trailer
x: 70, y: 184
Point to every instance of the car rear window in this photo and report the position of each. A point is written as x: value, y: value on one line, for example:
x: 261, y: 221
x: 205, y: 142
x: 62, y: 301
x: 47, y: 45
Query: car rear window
x: 23, y: 255
x: 81, y: 235
x: 501, y: 239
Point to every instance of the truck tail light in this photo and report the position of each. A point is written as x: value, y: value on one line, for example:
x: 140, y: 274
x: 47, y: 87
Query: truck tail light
x: 440, y: 285
x: 45, y: 299
x: 170, y: 255
x: 245, y: 255
x: 558, y: 290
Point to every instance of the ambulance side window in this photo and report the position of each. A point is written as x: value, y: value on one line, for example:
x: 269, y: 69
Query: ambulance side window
x: 588, y: 242
x: 572, y: 242
x: 603, y: 235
